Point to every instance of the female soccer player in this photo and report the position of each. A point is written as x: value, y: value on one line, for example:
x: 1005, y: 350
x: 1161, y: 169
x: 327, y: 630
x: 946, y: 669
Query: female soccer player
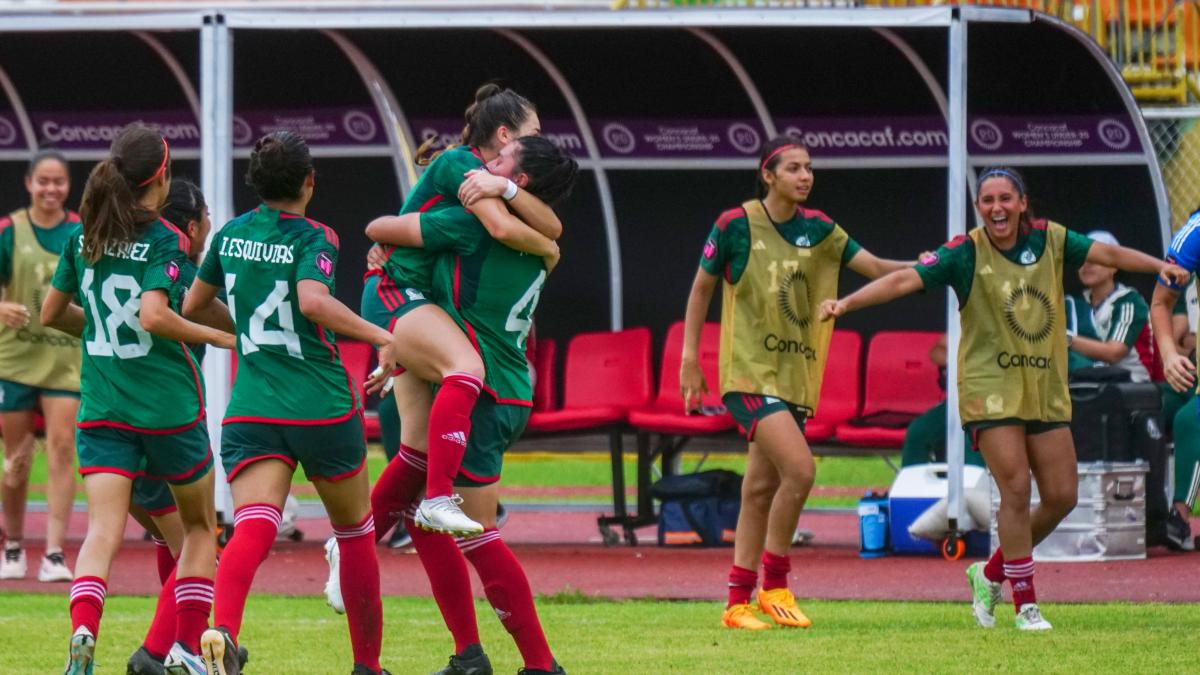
x: 142, y: 402
x: 429, y: 344
x: 293, y: 401
x: 491, y: 291
x: 1107, y: 320
x: 1012, y: 367
x: 778, y: 260
x: 39, y: 366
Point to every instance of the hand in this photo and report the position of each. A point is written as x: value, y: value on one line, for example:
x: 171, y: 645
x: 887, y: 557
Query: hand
x: 1174, y: 274
x: 383, y: 374
x: 480, y: 184
x: 226, y: 340
x: 551, y: 261
x: 1180, y: 372
x: 375, y: 257
x: 831, y: 309
x: 14, y: 314
x: 692, y: 386
x: 387, y: 383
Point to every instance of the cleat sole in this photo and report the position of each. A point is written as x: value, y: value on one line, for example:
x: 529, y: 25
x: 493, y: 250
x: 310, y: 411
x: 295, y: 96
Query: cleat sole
x: 212, y: 650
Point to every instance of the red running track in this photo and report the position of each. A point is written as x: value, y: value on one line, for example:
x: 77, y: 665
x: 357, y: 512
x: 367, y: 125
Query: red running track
x: 561, y: 551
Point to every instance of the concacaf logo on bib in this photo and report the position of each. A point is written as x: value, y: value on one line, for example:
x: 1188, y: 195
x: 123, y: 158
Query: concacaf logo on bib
x: 1029, y: 314
x: 795, y: 299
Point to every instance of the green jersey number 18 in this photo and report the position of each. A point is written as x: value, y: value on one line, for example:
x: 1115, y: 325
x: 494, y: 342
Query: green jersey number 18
x: 106, y: 341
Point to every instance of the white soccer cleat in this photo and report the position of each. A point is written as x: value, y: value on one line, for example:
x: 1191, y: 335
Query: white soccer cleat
x: 443, y: 514
x: 333, y: 585
x: 81, y: 655
x: 13, y: 566
x: 180, y: 661
x: 54, y: 568
x: 1029, y: 617
x: 985, y: 596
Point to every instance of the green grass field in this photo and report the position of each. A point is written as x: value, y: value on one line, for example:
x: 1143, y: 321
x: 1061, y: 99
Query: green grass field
x: 300, y: 635
x: 542, y: 469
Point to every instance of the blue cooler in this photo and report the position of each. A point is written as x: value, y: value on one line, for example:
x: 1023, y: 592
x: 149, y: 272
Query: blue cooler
x: 915, y: 489
x: 873, y: 525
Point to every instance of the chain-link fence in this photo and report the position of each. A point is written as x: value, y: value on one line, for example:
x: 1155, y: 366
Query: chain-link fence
x: 1176, y: 136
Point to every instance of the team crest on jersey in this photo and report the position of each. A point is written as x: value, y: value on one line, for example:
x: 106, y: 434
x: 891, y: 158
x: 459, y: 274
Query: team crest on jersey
x: 1027, y: 257
x: 414, y: 294
x: 172, y: 270
x: 325, y: 264
x: 710, y: 248
x: 802, y: 240
x: 928, y: 259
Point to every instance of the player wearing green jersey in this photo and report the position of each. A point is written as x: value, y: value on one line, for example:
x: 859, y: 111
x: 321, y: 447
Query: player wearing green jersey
x: 429, y: 345
x: 490, y: 291
x: 293, y: 402
x: 1012, y: 367
x: 142, y: 406
x: 40, y: 366
x: 778, y: 259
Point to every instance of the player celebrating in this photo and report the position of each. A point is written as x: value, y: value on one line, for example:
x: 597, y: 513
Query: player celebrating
x: 491, y: 292
x: 142, y: 394
x: 293, y: 402
x: 778, y: 260
x: 429, y: 344
x: 40, y: 366
x: 1012, y: 367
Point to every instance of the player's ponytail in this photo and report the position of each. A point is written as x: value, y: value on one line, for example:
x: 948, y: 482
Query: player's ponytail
x: 551, y: 170
x: 494, y: 107
x: 279, y: 164
x: 111, y: 210
x: 768, y: 159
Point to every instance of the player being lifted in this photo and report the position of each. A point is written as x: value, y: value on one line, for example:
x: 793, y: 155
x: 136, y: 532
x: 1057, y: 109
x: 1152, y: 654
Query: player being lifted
x: 293, y: 401
x: 490, y: 291
x: 1012, y: 367
x: 778, y: 260
x: 142, y: 406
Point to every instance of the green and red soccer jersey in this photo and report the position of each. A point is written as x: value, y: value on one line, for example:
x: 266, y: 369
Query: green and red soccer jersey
x: 491, y: 291
x: 132, y: 379
x: 727, y: 250
x: 53, y: 239
x: 289, y: 370
x: 412, y: 268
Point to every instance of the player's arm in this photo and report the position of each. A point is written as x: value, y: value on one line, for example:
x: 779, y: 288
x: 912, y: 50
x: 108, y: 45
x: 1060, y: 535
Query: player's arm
x: 884, y: 289
x: 157, y: 317
x: 60, y: 312
x: 692, y: 386
x: 212, y: 313
x: 319, y: 306
x: 1177, y: 367
x: 480, y: 185
x: 1108, y: 351
x: 867, y: 264
x: 402, y: 230
x: 509, y: 230
x: 1132, y: 260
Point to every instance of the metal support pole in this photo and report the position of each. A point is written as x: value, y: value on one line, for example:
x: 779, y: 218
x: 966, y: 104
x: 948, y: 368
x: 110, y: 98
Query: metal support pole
x: 956, y: 194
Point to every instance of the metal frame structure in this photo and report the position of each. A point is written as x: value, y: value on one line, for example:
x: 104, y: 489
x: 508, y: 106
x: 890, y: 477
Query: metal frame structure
x: 218, y: 22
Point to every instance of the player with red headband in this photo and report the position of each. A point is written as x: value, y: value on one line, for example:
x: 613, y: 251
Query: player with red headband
x: 142, y: 404
x: 778, y: 260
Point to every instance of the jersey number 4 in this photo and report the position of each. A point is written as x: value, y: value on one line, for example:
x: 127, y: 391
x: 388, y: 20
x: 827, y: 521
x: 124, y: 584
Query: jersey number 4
x: 106, y: 341
x: 520, y: 317
x: 276, y: 305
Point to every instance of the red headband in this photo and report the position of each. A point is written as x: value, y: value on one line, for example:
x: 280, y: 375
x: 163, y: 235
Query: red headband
x: 789, y: 146
x: 161, y: 167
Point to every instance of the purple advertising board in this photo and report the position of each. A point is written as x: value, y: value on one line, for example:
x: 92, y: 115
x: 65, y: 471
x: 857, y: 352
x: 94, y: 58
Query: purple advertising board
x: 10, y: 133
x: 1059, y: 134
x: 447, y: 131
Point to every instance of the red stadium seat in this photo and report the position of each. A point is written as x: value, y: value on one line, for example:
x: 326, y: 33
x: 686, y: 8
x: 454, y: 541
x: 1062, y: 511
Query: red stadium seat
x: 543, y: 355
x: 358, y: 358
x: 901, y: 384
x: 665, y: 415
x: 606, y: 375
x: 841, y: 387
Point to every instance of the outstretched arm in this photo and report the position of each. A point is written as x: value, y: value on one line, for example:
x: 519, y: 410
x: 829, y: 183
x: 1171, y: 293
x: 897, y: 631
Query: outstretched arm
x: 865, y: 263
x: 692, y: 386
x: 320, y: 307
x: 884, y: 289
x: 1132, y: 260
x: 61, y: 313
x: 402, y: 230
x: 1178, y: 368
x: 157, y: 317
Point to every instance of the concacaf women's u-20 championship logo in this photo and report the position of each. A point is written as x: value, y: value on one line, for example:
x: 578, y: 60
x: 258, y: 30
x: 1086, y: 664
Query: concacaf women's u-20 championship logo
x: 1029, y: 314
x: 795, y: 299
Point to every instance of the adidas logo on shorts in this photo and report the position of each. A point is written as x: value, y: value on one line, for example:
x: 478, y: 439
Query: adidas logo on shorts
x: 457, y: 437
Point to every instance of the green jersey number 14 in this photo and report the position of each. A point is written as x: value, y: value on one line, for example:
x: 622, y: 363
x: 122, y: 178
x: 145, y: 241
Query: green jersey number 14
x: 276, y: 304
x: 106, y: 341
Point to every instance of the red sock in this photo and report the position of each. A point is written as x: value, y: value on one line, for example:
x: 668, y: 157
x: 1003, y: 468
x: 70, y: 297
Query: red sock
x: 162, y: 627
x: 359, y: 574
x: 193, y: 603
x: 775, y: 570
x: 254, y: 530
x: 741, y: 584
x: 451, y: 583
x: 162, y: 556
x: 449, y: 428
x: 87, y: 603
x: 1020, y: 575
x: 993, y: 571
x: 397, y: 488
x: 507, y: 589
